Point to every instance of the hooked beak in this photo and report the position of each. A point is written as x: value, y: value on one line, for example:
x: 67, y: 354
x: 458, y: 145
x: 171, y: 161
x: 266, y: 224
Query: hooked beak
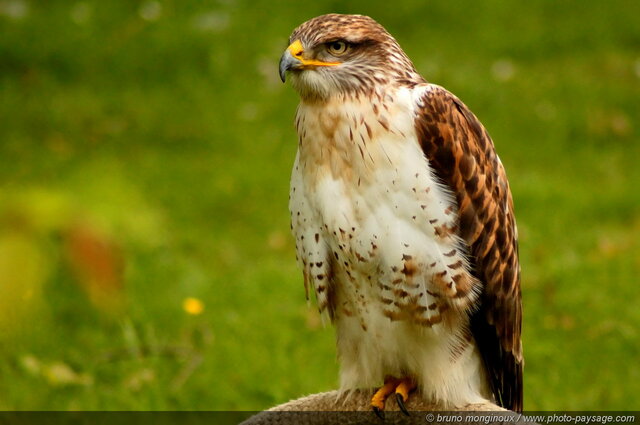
x: 293, y: 58
x: 287, y: 62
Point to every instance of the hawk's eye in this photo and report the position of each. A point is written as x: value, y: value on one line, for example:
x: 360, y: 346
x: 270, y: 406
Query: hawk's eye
x: 337, y: 48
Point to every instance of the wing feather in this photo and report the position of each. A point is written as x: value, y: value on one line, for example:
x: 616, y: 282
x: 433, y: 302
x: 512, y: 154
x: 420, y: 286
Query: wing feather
x: 462, y: 154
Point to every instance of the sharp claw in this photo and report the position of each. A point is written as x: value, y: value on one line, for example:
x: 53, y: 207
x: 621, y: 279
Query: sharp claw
x: 401, y: 404
x: 379, y: 412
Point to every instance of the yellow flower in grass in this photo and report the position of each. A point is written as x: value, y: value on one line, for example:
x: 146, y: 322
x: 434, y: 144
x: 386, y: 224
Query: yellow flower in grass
x: 193, y: 306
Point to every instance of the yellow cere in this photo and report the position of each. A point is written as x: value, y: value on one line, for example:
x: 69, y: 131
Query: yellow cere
x: 193, y: 306
x: 297, y: 50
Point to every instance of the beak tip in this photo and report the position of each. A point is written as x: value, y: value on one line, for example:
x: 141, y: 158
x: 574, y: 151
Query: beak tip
x: 287, y: 62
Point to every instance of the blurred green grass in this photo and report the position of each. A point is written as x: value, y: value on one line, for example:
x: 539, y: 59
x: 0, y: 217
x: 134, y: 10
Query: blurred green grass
x: 158, y: 136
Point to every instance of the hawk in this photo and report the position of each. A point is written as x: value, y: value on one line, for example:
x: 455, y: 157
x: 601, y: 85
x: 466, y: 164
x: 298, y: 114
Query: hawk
x: 403, y: 221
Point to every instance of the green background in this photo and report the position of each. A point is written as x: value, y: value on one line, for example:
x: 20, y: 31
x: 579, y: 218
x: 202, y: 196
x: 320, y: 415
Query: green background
x: 145, y: 152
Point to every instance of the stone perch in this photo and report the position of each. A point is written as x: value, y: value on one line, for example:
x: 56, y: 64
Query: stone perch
x: 328, y: 408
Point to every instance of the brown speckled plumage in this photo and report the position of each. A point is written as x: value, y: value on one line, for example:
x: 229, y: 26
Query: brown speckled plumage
x: 372, y: 132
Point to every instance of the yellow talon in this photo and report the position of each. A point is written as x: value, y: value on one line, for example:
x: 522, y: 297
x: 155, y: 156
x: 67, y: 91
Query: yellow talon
x: 402, y: 393
x: 401, y: 387
x: 405, y: 386
x: 379, y: 398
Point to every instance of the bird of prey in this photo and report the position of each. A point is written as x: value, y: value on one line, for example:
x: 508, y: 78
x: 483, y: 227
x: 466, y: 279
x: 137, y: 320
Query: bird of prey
x: 403, y: 222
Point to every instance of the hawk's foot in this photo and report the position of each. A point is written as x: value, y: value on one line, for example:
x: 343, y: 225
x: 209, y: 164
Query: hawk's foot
x: 401, y: 387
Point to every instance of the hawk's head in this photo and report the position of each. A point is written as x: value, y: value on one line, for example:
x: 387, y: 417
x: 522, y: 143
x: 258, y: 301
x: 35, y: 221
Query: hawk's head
x: 343, y: 54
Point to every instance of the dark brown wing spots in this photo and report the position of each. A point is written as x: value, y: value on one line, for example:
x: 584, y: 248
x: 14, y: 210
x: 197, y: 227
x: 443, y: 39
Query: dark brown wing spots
x: 462, y: 154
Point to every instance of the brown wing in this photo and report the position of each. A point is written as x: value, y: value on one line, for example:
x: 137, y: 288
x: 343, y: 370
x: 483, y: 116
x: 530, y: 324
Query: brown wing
x: 462, y: 154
